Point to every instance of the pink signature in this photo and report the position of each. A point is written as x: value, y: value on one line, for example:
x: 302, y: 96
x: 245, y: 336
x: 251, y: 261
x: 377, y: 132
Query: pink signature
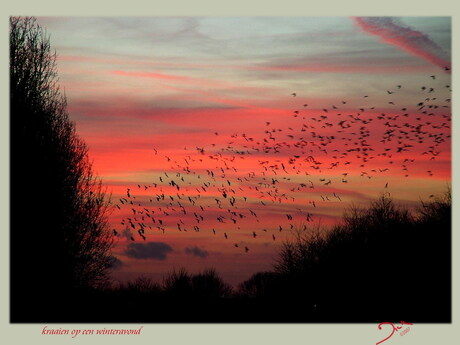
x: 393, y: 329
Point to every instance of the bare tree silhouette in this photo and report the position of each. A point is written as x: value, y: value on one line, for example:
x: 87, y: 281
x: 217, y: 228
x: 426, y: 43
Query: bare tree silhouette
x: 59, y: 238
x: 380, y: 262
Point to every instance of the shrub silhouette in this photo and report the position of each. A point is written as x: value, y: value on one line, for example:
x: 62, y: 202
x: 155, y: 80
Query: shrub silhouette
x: 58, y: 207
x: 181, y: 297
x: 209, y: 285
x: 261, y: 285
x: 205, y: 285
x: 142, y: 286
x: 178, y: 284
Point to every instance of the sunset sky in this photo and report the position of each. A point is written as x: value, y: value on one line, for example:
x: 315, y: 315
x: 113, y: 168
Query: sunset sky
x: 225, y: 133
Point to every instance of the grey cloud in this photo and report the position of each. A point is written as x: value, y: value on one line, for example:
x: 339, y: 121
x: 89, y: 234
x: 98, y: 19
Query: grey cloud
x: 150, y: 250
x: 196, y: 251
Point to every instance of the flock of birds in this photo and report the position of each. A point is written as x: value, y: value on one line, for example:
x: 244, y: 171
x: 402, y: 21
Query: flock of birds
x: 301, y: 164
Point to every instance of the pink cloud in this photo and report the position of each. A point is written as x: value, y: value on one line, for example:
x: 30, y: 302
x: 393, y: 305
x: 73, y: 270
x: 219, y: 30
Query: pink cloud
x: 412, y: 41
x: 156, y: 76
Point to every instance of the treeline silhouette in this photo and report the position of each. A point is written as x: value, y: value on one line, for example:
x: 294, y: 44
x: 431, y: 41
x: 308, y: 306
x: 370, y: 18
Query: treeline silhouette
x: 381, y: 263
x: 59, y: 243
